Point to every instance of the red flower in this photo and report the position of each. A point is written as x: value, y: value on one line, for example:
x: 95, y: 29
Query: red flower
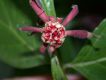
x: 54, y: 33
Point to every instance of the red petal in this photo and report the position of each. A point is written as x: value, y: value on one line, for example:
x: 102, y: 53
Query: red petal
x: 71, y: 15
x: 32, y: 29
x: 60, y: 20
x: 39, y: 11
x: 51, y: 49
x: 43, y: 48
x: 82, y: 34
x: 52, y: 18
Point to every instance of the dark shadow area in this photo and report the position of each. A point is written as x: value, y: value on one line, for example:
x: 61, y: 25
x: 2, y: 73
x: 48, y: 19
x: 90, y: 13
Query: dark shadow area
x: 6, y: 70
x: 40, y: 70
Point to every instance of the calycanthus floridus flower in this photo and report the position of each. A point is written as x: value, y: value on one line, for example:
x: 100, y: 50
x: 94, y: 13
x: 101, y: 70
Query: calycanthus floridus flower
x: 54, y: 32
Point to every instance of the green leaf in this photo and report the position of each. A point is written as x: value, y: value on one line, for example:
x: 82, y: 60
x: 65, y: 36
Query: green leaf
x: 48, y: 6
x: 91, y: 61
x: 57, y: 70
x: 17, y: 48
x: 64, y: 55
x: 68, y: 53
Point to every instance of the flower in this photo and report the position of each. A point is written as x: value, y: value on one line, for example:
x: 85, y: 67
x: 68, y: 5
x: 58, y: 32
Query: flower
x: 54, y: 32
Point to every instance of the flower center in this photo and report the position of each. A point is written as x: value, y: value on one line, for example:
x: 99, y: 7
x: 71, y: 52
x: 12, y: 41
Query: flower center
x: 53, y: 34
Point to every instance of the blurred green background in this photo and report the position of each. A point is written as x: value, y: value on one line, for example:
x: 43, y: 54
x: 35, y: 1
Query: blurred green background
x: 91, y: 13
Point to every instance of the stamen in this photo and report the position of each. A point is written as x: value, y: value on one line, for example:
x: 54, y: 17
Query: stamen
x: 53, y: 34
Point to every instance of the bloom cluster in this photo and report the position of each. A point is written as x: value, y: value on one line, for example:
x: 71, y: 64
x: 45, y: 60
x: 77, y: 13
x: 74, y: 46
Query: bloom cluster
x: 54, y: 32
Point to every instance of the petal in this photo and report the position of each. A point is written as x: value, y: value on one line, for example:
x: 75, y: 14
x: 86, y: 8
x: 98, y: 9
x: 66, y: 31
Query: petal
x: 51, y: 49
x: 71, y: 15
x: 43, y: 48
x: 32, y: 29
x: 38, y: 3
x: 81, y: 34
x: 52, y: 18
x: 60, y: 20
x: 39, y: 11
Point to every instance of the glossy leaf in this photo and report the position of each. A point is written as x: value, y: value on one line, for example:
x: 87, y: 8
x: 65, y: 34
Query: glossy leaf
x: 57, y: 71
x: 48, y: 6
x: 91, y: 60
x: 17, y: 48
